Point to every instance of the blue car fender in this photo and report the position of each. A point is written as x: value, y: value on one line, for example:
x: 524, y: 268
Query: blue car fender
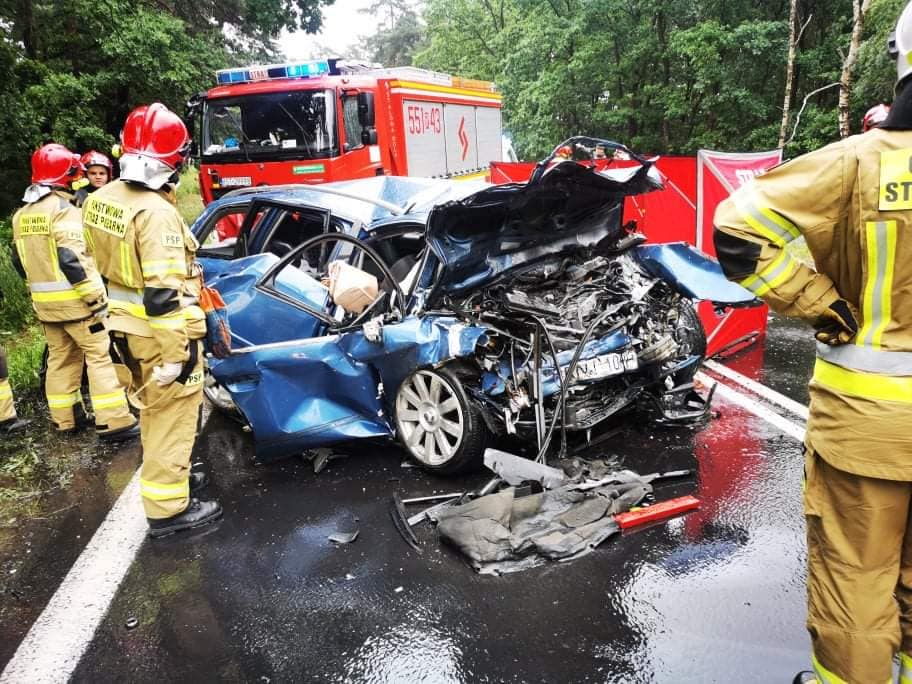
x: 692, y: 273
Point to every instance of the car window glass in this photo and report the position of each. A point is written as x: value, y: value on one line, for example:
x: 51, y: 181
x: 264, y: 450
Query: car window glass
x: 219, y: 235
x: 340, y: 290
x: 291, y: 229
x: 352, y: 125
x: 401, y: 253
x: 303, y: 286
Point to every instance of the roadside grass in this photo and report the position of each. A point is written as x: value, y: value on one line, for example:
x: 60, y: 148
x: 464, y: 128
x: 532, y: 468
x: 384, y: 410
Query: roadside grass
x: 23, y: 354
x: 189, y: 201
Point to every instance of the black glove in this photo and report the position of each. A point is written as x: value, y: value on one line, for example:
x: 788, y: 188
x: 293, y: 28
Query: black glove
x: 838, y: 325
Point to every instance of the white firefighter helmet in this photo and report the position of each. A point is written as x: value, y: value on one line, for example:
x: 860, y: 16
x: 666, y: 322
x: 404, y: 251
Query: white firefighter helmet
x: 900, y: 44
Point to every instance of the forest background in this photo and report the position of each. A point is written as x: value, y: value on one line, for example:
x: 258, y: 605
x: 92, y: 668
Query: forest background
x: 662, y: 76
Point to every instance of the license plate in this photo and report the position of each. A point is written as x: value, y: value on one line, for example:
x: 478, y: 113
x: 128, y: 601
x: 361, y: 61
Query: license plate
x: 236, y: 182
x: 605, y: 366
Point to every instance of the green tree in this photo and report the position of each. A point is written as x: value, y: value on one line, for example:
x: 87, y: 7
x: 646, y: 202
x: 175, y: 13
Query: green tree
x: 71, y: 70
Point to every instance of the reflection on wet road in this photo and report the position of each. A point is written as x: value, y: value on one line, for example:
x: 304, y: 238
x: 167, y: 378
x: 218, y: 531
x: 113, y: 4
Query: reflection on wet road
x: 264, y: 596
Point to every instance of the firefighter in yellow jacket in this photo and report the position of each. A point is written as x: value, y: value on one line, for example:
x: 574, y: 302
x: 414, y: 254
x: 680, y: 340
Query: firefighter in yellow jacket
x: 9, y: 421
x: 146, y: 254
x: 852, y: 202
x: 68, y: 297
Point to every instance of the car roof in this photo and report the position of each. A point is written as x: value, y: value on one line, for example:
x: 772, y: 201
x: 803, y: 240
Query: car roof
x: 365, y: 199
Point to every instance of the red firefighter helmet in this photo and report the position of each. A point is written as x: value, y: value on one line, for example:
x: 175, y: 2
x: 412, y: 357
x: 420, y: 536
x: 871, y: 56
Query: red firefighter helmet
x: 54, y: 164
x: 94, y: 158
x: 875, y: 116
x: 155, y: 131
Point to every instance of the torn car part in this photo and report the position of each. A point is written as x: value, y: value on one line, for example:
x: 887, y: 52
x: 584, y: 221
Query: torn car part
x: 401, y: 522
x: 515, y: 470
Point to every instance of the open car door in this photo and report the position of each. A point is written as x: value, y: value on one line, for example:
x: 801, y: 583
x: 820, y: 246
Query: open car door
x: 298, y: 372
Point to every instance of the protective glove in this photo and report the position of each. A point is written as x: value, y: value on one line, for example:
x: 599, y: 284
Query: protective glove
x: 838, y: 325
x: 167, y: 373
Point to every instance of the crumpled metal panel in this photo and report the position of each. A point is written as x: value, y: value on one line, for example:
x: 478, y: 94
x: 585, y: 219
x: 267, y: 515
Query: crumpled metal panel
x: 257, y: 318
x: 326, y: 390
x: 304, y: 394
x: 694, y: 274
x: 414, y: 343
x: 492, y: 232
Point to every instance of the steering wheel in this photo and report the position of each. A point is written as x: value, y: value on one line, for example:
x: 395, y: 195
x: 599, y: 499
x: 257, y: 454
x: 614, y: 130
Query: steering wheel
x: 360, y: 319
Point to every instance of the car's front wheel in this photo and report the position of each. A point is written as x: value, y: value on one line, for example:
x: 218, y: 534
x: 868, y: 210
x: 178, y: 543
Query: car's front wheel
x: 437, y: 423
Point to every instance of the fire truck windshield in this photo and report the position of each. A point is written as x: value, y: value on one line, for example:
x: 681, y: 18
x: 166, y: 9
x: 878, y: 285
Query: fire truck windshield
x: 299, y: 124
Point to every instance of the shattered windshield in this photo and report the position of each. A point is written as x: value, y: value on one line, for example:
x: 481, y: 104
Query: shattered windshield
x: 299, y: 124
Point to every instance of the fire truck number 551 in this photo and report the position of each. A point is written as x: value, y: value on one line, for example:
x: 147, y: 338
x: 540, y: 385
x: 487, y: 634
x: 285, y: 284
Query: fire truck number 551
x: 424, y: 119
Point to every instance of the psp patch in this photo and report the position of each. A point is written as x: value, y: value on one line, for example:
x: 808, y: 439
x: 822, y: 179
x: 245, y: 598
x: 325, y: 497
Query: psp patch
x: 105, y: 216
x: 895, y: 180
x: 172, y: 240
x: 34, y: 224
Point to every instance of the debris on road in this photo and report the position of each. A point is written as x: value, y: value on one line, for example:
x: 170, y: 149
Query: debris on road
x: 515, y: 470
x: 343, y: 537
x: 544, y: 513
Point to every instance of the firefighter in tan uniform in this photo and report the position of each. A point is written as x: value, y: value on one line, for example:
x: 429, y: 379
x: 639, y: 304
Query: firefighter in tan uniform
x: 147, y: 256
x: 68, y: 297
x: 852, y: 202
x: 9, y: 420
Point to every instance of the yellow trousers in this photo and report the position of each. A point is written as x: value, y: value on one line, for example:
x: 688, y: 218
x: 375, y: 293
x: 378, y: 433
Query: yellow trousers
x: 167, y: 420
x: 68, y: 345
x: 7, y: 409
x: 859, y: 574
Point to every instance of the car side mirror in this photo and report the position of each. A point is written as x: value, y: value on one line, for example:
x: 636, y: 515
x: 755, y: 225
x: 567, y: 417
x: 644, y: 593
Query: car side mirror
x: 369, y: 136
x: 366, y: 115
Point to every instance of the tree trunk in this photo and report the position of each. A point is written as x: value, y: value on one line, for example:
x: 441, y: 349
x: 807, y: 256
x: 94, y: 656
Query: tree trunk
x: 789, y: 70
x: 859, y: 10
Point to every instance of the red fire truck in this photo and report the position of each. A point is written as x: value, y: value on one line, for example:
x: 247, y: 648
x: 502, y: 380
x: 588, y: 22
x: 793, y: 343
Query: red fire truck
x: 318, y: 121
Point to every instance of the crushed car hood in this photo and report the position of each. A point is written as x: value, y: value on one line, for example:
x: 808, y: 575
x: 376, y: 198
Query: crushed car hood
x: 486, y: 235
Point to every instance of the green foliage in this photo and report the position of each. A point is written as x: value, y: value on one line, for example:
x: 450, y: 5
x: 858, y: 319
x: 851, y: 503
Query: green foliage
x: 189, y: 201
x: 15, y: 305
x: 24, y: 354
x: 660, y: 76
x: 71, y: 70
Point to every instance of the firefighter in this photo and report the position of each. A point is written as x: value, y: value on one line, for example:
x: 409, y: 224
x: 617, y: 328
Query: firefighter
x: 9, y: 421
x: 874, y: 117
x: 852, y: 202
x: 68, y: 298
x: 147, y: 256
x: 98, y: 173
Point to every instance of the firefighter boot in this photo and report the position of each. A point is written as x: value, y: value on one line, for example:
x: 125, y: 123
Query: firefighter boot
x: 14, y: 424
x: 121, y: 434
x: 197, y: 514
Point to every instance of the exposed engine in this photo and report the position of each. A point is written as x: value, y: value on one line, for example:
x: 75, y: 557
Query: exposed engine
x: 636, y: 334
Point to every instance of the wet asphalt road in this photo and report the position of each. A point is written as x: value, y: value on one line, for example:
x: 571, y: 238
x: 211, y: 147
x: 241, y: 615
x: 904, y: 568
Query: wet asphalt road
x: 263, y: 596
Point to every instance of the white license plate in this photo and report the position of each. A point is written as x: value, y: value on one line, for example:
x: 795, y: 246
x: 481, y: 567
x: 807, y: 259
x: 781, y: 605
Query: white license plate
x: 236, y: 182
x: 605, y: 366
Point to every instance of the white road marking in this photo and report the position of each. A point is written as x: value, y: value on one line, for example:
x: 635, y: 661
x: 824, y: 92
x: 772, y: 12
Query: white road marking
x: 54, y: 645
x: 788, y: 427
x: 761, y: 390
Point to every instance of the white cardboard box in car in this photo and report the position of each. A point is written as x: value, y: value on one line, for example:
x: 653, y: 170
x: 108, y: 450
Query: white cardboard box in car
x: 350, y: 287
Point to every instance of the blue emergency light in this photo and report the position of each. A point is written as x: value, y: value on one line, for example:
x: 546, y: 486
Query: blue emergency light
x: 273, y: 71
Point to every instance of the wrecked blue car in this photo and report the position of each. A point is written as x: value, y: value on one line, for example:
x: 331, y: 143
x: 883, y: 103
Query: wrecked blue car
x: 447, y: 315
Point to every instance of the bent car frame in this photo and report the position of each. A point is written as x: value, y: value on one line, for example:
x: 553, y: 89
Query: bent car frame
x: 467, y: 312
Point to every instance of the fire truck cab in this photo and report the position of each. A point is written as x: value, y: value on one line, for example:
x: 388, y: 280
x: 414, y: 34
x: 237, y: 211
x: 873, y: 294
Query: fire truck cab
x: 325, y: 120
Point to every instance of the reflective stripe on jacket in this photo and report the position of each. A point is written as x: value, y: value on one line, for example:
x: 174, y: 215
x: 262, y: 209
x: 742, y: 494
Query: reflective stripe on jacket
x: 146, y: 253
x: 62, y: 279
x: 852, y: 202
